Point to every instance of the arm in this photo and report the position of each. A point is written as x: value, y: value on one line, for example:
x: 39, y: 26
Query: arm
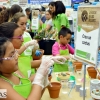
x: 55, y: 49
x: 71, y: 50
x: 49, y: 25
x: 64, y: 21
x: 26, y: 45
x: 35, y: 63
x: 21, y: 50
x: 34, y: 95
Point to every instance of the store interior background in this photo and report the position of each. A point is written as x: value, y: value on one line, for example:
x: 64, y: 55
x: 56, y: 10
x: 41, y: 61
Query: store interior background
x: 71, y: 12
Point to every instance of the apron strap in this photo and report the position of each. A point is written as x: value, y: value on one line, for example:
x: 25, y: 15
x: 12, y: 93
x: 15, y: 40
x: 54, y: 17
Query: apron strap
x: 16, y: 74
x: 7, y: 80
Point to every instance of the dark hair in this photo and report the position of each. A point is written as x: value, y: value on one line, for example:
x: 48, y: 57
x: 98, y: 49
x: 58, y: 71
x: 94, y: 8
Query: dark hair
x: 4, y: 16
x: 52, y: 4
x: 42, y: 8
x: 28, y: 9
x: 17, y: 16
x: 14, y: 9
x: 37, y: 9
x: 7, y: 29
x: 49, y: 12
x: 3, y: 41
x: 64, y: 31
x: 60, y: 8
x: 0, y: 9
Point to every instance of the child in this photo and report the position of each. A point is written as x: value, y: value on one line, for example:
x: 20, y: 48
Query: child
x: 10, y: 78
x: 62, y: 47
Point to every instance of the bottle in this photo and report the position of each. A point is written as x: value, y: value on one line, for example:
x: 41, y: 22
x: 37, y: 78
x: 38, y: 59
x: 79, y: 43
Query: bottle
x: 98, y: 59
x: 70, y: 66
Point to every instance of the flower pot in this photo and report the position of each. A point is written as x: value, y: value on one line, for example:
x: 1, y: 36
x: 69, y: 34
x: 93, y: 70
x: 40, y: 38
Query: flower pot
x: 92, y: 72
x: 77, y: 65
x: 38, y: 57
x: 54, y: 89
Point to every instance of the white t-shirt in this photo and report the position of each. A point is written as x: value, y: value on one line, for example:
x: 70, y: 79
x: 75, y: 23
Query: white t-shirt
x: 49, y: 22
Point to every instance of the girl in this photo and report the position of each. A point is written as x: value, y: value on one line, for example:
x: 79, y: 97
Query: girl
x: 7, y: 14
x: 62, y: 48
x: 13, y: 10
x: 59, y: 18
x: 25, y: 61
x: 18, y: 87
x: 14, y: 33
x: 48, y: 23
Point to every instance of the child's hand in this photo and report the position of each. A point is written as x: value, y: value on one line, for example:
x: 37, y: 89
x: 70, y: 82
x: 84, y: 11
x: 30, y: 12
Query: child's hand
x: 59, y: 59
x: 68, y: 57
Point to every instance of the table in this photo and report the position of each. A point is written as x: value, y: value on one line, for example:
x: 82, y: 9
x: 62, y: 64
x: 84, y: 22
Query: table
x: 74, y: 95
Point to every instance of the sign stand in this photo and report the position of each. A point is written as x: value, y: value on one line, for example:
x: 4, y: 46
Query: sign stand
x: 84, y: 81
x: 87, y: 37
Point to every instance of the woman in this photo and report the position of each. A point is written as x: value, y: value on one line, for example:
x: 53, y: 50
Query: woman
x: 18, y: 87
x: 59, y: 17
x: 25, y: 60
x: 48, y: 23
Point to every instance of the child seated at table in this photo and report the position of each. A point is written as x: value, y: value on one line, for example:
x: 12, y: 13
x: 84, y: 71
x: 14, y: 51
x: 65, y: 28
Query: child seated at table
x: 62, y: 47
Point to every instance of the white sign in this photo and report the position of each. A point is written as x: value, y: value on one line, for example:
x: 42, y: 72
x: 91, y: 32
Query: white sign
x: 87, y: 37
x: 3, y: 93
x: 23, y: 2
x: 35, y: 19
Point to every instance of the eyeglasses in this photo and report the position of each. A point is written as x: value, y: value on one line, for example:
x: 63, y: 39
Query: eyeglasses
x: 14, y: 56
x: 19, y: 37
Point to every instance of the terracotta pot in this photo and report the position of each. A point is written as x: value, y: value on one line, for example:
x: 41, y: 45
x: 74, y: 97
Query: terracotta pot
x: 38, y: 57
x: 95, y: 99
x: 92, y: 72
x: 77, y: 65
x: 54, y: 89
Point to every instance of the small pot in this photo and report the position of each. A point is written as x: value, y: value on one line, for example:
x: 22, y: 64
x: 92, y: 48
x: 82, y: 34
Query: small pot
x: 38, y: 57
x: 92, y: 72
x: 77, y: 65
x: 54, y: 89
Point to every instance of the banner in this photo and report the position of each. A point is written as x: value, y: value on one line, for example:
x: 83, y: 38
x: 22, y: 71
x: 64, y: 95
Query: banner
x: 35, y: 19
x: 38, y: 1
x: 3, y: 0
x: 87, y: 36
x: 23, y: 2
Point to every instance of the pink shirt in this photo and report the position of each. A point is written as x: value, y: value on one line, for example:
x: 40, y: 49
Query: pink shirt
x: 56, y: 48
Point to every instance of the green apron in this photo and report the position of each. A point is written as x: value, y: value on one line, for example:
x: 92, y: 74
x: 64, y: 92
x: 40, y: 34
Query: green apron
x: 24, y: 61
x: 24, y: 88
x: 62, y: 67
